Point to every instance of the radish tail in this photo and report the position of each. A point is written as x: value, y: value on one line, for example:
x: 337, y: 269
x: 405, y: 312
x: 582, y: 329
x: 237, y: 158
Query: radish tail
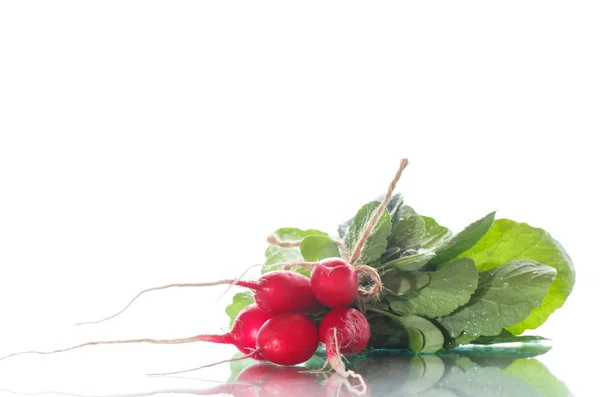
x: 225, y: 338
x: 111, y: 342
x: 250, y: 355
x: 334, y: 357
x: 220, y: 282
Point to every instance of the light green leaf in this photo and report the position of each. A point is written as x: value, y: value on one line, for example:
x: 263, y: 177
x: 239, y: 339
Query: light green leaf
x: 408, y: 230
x: 464, y: 240
x: 316, y: 248
x: 275, y: 255
x: 377, y: 242
x: 505, y: 296
x: 410, y: 262
x: 435, y: 234
x: 240, y: 301
x: 507, y: 241
x: 450, y: 287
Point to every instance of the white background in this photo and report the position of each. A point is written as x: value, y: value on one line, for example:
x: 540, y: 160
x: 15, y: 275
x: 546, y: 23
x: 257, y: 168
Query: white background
x: 143, y: 143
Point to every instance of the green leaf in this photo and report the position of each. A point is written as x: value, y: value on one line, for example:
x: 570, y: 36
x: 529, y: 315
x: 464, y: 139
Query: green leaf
x: 275, y: 255
x: 316, y: 248
x: 507, y: 241
x: 240, y: 301
x: 505, y: 296
x: 450, y: 287
x: 434, y: 340
x: 408, y: 230
x: 435, y: 234
x: 537, y: 375
x: 464, y: 240
x: 394, y: 206
x: 507, y: 337
x: 428, y: 339
x: 403, y: 283
x: 376, y: 243
x: 503, y: 338
x: 410, y: 262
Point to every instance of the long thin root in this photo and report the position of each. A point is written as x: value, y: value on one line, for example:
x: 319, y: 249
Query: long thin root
x: 110, y: 342
x: 208, y: 284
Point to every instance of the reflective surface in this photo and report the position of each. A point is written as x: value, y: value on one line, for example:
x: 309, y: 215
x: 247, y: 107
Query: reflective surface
x: 490, y: 371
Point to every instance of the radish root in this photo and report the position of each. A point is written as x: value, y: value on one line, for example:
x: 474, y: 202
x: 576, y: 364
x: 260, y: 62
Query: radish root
x: 208, y: 284
x: 249, y: 355
x: 337, y: 364
x: 113, y: 342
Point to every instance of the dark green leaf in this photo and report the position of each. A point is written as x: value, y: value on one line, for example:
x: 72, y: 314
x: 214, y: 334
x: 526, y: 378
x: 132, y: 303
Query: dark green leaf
x: 394, y: 206
x: 316, y: 248
x: 450, y: 287
x: 464, y: 240
x: 435, y: 234
x: 505, y: 296
x: 507, y: 241
x: 408, y: 230
x: 432, y: 337
x: 377, y: 242
x: 410, y: 262
x: 507, y: 337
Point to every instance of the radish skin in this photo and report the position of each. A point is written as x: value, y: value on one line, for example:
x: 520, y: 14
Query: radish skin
x: 243, y: 333
x: 334, y: 282
x: 344, y: 331
x: 288, y: 339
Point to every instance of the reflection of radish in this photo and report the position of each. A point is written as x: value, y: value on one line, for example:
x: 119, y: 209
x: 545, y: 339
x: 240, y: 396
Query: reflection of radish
x: 334, y: 282
x: 273, y: 380
x: 338, y: 386
x: 344, y: 331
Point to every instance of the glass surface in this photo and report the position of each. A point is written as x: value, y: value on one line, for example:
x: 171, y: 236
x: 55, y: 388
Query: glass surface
x: 496, y: 370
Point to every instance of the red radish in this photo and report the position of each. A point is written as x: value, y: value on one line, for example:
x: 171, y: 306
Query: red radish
x: 242, y: 335
x: 283, y: 291
x: 277, y: 292
x: 344, y: 331
x: 285, y: 339
x: 288, y: 339
x: 334, y: 282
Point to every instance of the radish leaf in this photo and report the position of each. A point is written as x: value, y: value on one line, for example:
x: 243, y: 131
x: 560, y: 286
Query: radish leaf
x: 449, y: 287
x: 509, y: 240
x: 376, y: 243
x: 464, y: 240
x: 505, y: 296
